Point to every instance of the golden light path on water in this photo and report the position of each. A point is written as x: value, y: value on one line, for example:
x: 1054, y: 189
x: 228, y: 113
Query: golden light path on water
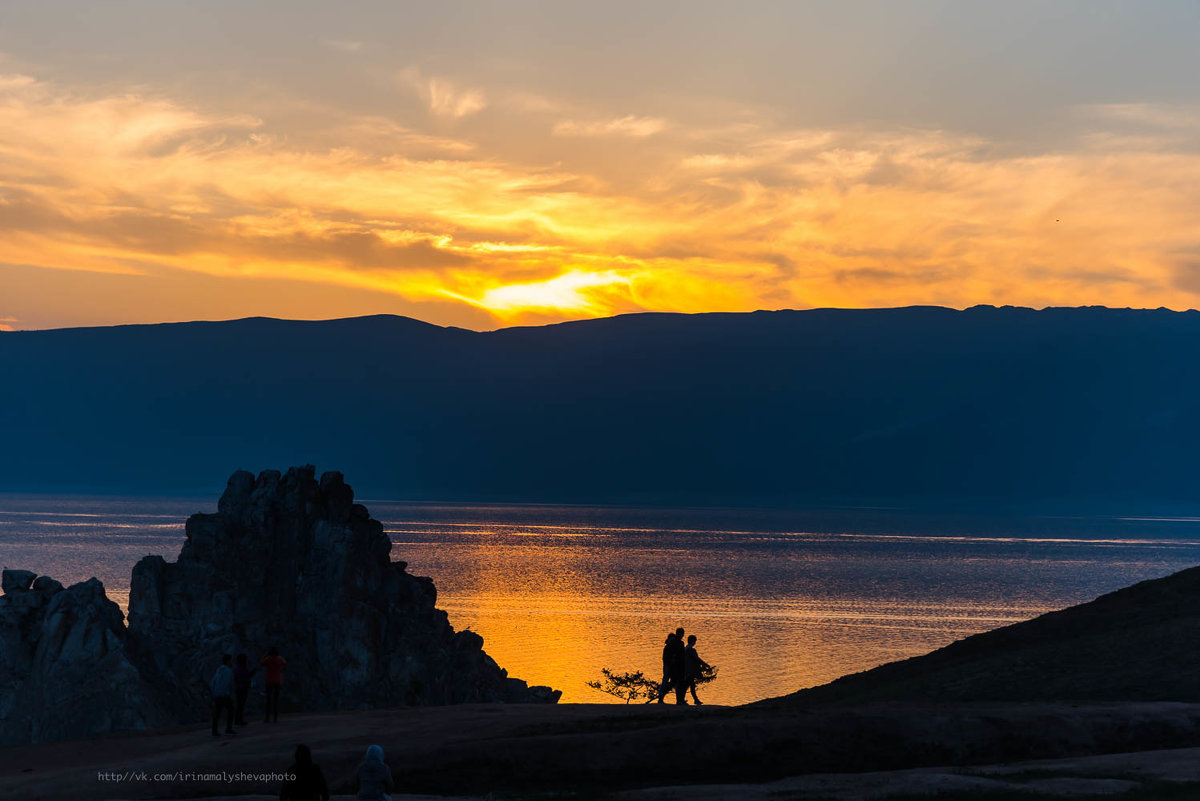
x: 780, y: 600
x: 565, y: 591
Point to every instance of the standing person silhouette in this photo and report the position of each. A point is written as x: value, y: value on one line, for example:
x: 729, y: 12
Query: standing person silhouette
x: 693, y: 667
x: 222, y: 692
x: 241, y: 687
x: 274, y: 664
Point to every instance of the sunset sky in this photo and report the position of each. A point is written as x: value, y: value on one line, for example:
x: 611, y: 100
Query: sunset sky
x: 496, y: 163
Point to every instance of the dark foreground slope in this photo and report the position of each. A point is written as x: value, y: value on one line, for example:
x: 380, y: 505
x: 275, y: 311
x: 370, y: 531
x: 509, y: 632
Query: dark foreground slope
x: 1137, y: 644
x: 991, y: 404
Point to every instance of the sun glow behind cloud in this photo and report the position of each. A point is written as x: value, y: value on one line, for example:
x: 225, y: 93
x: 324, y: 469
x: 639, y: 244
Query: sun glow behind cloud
x: 622, y: 213
x: 574, y: 292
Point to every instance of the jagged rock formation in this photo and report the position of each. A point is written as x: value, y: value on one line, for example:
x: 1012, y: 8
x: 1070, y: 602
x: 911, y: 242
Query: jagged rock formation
x: 291, y: 562
x: 64, y: 667
x: 287, y: 561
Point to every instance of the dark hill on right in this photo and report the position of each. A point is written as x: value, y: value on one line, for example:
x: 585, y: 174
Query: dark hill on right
x: 1141, y: 643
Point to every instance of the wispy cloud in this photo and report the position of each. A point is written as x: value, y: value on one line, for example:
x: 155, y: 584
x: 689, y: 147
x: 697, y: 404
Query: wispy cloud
x: 443, y: 97
x: 8, y: 323
x: 632, y: 126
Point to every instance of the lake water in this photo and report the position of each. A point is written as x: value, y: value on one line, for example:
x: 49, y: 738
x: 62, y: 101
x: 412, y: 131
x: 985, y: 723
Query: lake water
x: 779, y: 599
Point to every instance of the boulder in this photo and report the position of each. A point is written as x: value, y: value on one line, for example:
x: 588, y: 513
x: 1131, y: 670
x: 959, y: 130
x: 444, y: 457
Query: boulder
x: 12, y: 581
x: 46, y: 585
x: 64, y: 667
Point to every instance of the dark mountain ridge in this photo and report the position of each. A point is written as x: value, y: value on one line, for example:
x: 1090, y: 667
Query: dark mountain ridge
x: 914, y: 405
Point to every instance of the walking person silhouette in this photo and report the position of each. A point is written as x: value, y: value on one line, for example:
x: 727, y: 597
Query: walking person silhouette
x: 665, y: 686
x: 673, y: 668
x: 694, y: 667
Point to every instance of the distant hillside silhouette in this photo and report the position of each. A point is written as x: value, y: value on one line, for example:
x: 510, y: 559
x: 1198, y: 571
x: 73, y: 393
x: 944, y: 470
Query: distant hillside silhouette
x: 994, y: 404
x: 1135, y: 644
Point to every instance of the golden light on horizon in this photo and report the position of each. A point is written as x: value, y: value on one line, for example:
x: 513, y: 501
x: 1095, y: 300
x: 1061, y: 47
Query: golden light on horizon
x: 573, y: 291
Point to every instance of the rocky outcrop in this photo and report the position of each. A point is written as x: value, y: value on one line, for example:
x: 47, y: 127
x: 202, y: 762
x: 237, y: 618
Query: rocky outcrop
x: 287, y: 561
x: 65, y: 670
x: 294, y: 563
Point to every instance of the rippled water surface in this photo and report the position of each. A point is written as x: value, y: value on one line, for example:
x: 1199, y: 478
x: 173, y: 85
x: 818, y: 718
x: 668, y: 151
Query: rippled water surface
x: 779, y: 599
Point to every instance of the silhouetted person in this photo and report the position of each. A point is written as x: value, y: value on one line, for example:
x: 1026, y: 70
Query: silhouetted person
x: 665, y: 687
x: 678, y: 668
x: 222, y: 691
x: 241, y: 687
x: 307, y: 782
x: 693, y: 667
x: 274, y: 664
x: 374, y: 776
x: 673, y: 667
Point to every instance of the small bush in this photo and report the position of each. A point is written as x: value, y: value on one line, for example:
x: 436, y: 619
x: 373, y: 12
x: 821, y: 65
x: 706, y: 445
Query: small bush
x: 626, y: 686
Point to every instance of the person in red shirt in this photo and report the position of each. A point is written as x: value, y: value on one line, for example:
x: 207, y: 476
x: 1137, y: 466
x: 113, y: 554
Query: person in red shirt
x: 274, y: 664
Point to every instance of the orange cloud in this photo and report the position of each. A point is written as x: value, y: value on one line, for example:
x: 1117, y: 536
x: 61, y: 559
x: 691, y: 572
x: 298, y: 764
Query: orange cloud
x: 632, y: 126
x: 620, y: 214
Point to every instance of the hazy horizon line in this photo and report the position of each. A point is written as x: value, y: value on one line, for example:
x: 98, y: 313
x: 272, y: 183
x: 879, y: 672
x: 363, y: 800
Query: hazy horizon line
x: 641, y: 313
